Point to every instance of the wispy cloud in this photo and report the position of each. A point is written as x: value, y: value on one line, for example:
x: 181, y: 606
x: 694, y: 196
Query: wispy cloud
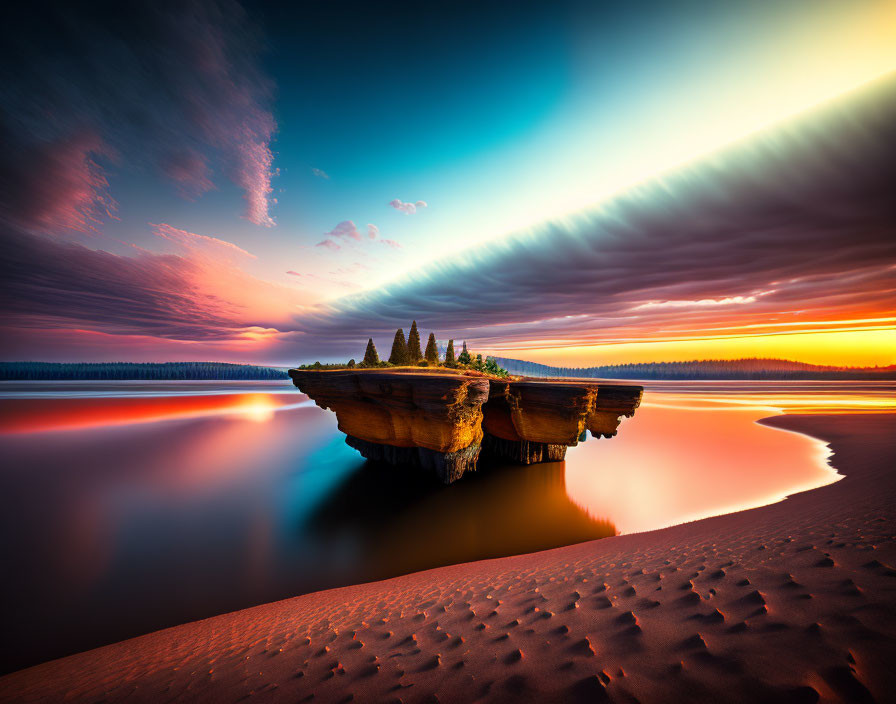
x: 185, y: 75
x: 189, y: 170
x: 320, y: 173
x: 193, y: 242
x: 407, y: 208
x: 55, y: 185
x: 168, y: 296
x: 703, y: 302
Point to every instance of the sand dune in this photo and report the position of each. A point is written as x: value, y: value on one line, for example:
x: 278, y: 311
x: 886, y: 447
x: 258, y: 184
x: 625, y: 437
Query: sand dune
x: 793, y: 602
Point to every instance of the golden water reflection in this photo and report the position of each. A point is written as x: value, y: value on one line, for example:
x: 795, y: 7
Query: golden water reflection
x: 695, y: 450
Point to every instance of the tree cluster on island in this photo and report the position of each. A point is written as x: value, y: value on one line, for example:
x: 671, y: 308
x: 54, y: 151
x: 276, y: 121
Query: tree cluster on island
x: 408, y: 353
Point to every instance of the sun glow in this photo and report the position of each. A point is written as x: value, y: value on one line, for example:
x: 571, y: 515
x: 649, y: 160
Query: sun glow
x: 257, y: 407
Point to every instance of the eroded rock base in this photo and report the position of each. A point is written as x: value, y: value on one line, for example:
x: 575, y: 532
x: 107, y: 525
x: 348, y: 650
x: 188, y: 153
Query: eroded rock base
x: 448, y: 466
x: 522, y: 451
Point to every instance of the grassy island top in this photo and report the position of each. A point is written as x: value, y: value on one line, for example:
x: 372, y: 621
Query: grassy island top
x: 407, y: 355
x: 428, y: 371
x: 445, y: 371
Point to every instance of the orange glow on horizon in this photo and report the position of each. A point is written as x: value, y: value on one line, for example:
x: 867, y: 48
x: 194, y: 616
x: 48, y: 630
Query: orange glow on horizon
x: 853, y: 348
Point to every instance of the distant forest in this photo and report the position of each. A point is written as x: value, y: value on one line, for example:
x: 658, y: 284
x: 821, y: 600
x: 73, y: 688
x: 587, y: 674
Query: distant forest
x: 134, y: 371
x: 735, y: 369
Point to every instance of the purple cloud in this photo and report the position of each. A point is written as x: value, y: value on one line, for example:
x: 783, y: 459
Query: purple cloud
x: 55, y: 185
x: 346, y: 230
x: 160, y: 295
x: 190, y: 171
x: 372, y: 231
x: 175, y: 88
x: 407, y: 208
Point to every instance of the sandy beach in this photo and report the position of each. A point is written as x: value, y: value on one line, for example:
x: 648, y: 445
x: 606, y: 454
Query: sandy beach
x: 791, y: 602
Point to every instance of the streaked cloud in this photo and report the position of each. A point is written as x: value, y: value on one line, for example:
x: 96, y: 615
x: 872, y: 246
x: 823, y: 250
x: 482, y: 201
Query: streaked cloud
x: 191, y: 241
x: 703, y: 302
x: 189, y: 170
x: 179, y: 94
x: 795, y: 223
x: 199, y: 294
x: 56, y: 184
x: 320, y: 173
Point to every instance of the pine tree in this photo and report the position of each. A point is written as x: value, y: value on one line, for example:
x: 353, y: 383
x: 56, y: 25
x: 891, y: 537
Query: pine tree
x: 371, y: 358
x: 464, y: 357
x: 414, y: 353
x: 450, y: 361
x: 351, y: 364
x: 432, y: 351
x: 492, y: 367
x: 399, y: 356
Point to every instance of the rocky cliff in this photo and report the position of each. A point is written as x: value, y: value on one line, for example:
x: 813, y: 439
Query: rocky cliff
x: 441, y: 421
x: 535, y: 421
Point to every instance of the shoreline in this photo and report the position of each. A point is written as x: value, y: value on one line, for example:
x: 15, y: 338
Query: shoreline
x: 790, y: 601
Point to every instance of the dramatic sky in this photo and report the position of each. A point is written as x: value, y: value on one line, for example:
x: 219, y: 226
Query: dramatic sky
x: 568, y: 182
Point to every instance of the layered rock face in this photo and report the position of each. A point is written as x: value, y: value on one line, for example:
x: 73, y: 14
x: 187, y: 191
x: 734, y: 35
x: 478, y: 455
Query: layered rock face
x: 441, y: 421
x: 430, y: 420
x: 535, y: 421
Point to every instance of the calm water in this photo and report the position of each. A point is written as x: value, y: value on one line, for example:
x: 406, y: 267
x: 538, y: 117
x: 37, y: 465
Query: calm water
x: 130, y: 507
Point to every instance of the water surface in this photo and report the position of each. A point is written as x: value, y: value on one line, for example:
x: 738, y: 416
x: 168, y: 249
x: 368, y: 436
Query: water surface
x: 127, y: 507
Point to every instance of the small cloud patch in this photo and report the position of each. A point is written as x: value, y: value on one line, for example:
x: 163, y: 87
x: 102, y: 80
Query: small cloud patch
x: 407, y: 208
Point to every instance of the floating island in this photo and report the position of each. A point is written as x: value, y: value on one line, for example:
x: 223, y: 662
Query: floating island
x: 443, y: 422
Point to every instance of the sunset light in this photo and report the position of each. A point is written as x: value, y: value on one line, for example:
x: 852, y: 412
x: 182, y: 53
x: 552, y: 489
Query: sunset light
x: 469, y: 351
x: 853, y: 348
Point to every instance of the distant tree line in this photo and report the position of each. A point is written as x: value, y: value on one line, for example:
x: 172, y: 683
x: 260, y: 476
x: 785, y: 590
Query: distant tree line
x: 752, y: 369
x: 407, y: 352
x: 135, y: 371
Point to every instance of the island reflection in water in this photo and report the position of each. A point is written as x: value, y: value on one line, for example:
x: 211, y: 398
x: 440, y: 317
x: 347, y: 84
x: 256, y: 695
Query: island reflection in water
x: 138, y: 509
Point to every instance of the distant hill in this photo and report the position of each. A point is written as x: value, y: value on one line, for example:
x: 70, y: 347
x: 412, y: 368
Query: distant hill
x: 709, y: 369
x: 135, y: 371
